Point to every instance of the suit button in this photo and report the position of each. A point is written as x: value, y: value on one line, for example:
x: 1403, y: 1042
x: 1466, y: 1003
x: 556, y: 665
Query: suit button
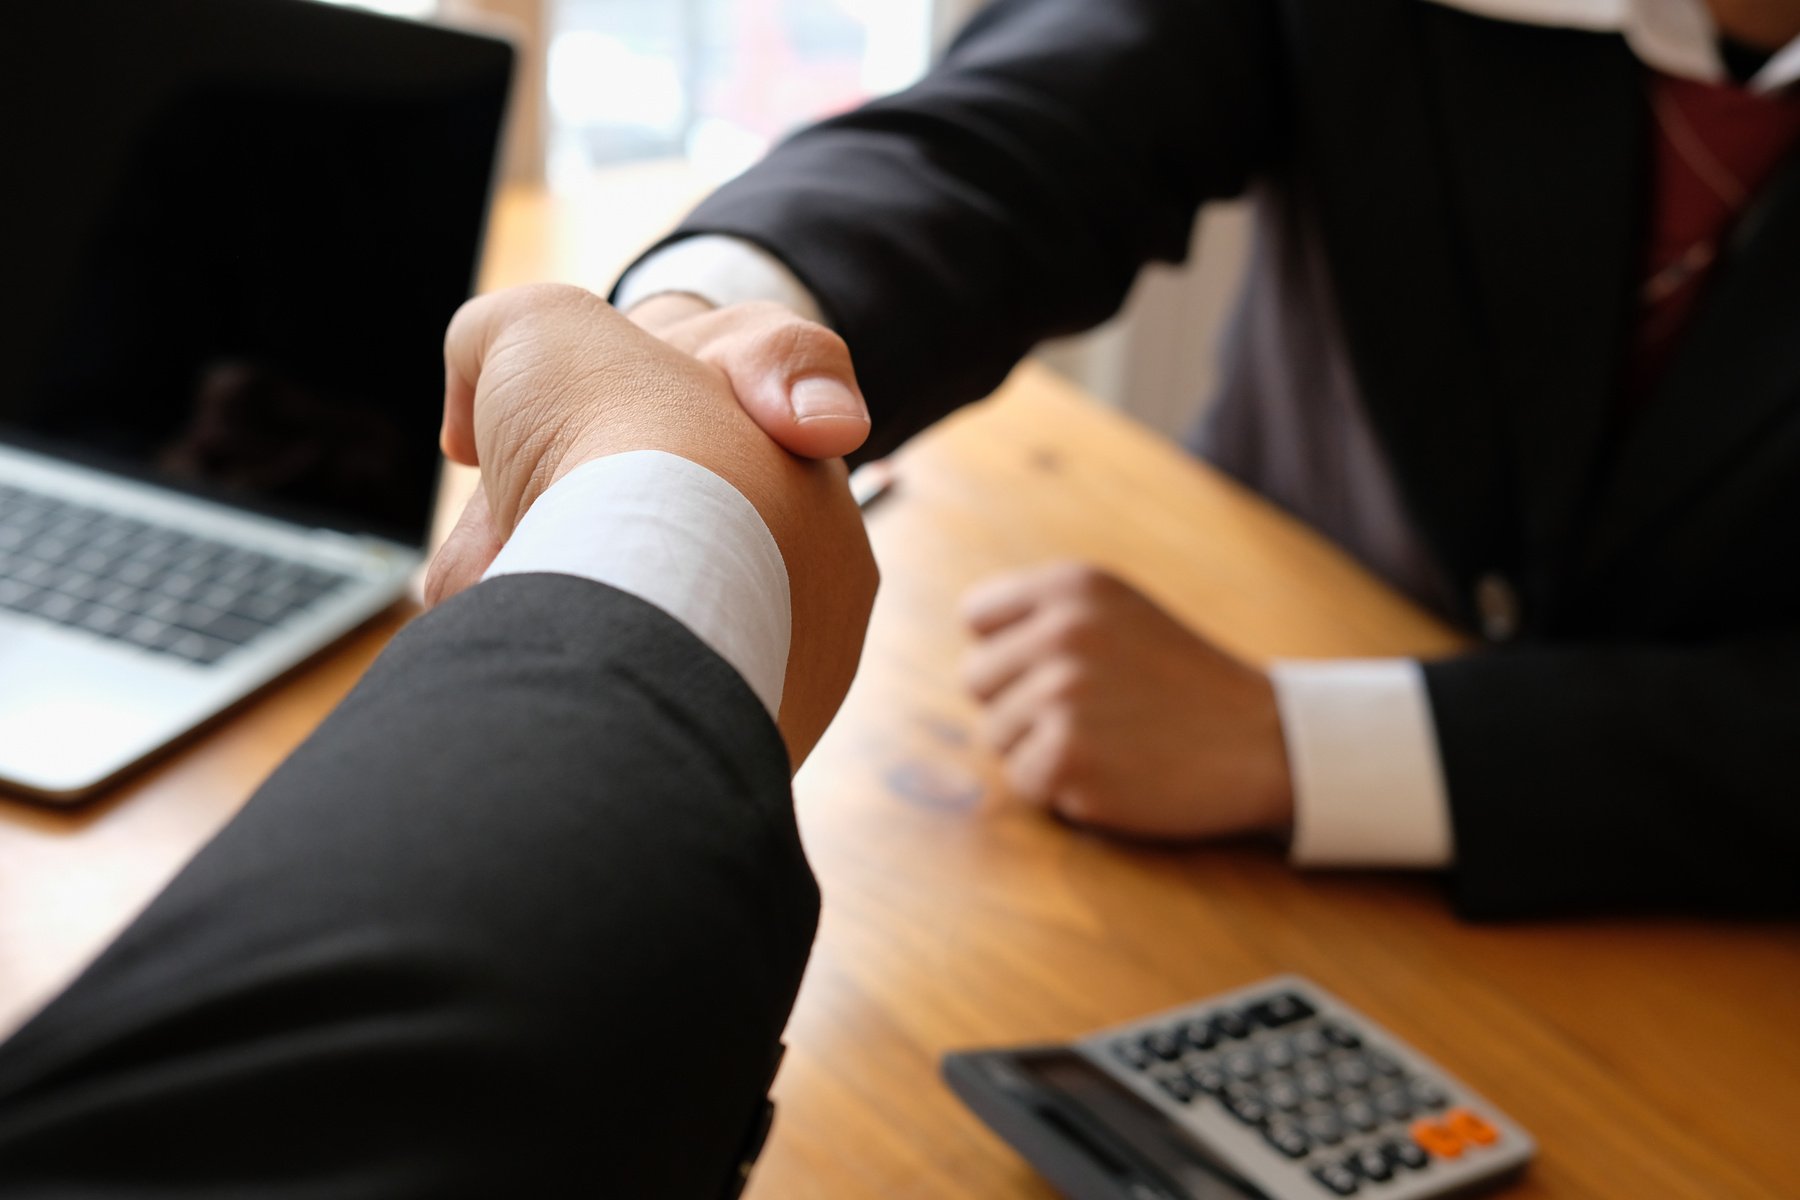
x: 1497, y: 607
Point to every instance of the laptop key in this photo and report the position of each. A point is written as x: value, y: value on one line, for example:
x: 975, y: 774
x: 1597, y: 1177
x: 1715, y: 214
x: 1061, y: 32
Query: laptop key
x: 225, y: 627
x: 175, y: 593
x: 146, y: 633
x: 16, y: 594
x: 54, y: 606
x: 164, y: 609
x: 179, y: 586
x: 124, y: 597
x: 107, y: 622
x: 195, y: 647
x: 33, y: 572
x: 139, y: 572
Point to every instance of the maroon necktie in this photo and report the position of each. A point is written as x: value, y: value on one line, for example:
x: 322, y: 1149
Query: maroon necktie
x: 1715, y: 146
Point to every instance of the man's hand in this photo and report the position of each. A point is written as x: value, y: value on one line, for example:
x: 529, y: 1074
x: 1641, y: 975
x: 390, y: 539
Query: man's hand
x: 793, y: 377
x: 1112, y: 714
x: 542, y: 379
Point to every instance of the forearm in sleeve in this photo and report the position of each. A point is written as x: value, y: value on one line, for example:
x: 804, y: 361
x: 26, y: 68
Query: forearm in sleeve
x: 1620, y: 777
x: 524, y: 917
x: 1015, y: 193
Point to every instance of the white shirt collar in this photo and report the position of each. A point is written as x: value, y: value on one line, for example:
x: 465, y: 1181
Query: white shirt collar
x: 1676, y: 37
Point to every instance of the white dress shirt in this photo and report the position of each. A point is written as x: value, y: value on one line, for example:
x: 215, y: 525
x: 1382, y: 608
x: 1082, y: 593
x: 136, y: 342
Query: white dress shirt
x: 673, y: 533
x: 1369, y: 785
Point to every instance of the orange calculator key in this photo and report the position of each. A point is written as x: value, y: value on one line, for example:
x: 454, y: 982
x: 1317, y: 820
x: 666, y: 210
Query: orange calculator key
x: 1470, y: 1127
x: 1436, y: 1137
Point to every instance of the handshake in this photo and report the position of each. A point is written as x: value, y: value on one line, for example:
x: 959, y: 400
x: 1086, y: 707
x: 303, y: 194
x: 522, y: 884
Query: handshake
x: 542, y: 379
x: 1103, y: 707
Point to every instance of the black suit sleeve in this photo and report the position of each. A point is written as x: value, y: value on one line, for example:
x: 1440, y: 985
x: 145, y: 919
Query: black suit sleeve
x: 1610, y: 778
x: 525, y: 917
x: 1014, y: 193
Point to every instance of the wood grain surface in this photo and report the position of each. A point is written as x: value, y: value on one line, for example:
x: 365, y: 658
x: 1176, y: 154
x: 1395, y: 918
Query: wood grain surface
x: 1652, y: 1058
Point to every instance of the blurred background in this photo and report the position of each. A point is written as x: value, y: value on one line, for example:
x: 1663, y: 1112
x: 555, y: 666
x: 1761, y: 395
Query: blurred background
x: 637, y: 108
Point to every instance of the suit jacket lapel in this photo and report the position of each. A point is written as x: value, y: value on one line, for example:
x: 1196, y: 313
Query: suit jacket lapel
x: 1736, y: 372
x: 1549, y: 175
x: 1398, y: 259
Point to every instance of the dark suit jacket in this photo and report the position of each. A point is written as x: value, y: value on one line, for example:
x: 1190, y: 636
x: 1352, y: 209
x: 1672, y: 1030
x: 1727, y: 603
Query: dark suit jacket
x: 525, y: 917
x: 1474, y: 191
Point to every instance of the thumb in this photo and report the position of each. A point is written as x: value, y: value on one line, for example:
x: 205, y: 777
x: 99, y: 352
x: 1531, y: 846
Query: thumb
x: 795, y: 379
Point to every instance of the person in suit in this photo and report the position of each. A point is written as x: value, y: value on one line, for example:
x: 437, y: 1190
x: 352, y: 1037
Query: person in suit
x: 526, y: 915
x: 1518, y: 333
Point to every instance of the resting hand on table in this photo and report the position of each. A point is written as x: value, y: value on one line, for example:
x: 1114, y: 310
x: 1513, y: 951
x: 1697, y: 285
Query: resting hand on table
x: 542, y: 379
x: 1113, y: 714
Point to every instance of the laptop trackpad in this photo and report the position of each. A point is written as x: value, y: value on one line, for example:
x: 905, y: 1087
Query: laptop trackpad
x: 73, y: 711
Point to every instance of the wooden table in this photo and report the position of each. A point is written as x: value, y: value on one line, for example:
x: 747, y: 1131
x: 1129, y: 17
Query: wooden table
x: 1651, y: 1058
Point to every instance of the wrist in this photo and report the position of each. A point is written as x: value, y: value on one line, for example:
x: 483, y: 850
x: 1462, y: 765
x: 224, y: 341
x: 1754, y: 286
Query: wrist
x: 1271, y: 779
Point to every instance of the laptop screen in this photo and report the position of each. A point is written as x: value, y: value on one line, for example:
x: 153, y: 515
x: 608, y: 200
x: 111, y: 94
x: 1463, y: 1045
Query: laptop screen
x: 233, y: 233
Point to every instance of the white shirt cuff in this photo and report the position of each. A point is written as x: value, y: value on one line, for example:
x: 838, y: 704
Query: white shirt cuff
x: 1368, y: 781
x: 720, y: 270
x: 672, y: 533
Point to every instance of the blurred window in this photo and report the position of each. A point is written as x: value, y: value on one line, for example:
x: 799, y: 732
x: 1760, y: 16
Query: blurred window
x: 716, y: 82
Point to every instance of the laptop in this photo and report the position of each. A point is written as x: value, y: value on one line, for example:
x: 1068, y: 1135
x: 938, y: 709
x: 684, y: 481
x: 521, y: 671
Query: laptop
x: 234, y: 232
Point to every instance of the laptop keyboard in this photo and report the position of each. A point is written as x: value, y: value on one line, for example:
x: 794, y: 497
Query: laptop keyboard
x: 148, y: 585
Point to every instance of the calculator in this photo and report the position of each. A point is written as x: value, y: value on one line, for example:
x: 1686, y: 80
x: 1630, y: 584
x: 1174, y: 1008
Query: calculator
x: 1278, y: 1091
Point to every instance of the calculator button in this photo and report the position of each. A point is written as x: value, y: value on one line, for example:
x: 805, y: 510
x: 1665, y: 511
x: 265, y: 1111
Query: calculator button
x: 1200, y: 1035
x: 1384, y: 1063
x: 1427, y: 1095
x: 1282, y: 1094
x: 1437, y: 1139
x: 1360, y: 1115
x: 1403, y: 1153
x: 1352, y: 1072
x: 1310, y: 1043
x: 1371, y: 1163
x: 1132, y: 1053
x: 1394, y: 1104
x: 1247, y: 1107
x: 1229, y: 1025
x: 1288, y: 1138
x: 1244, y: 1064
x: 1209, y: 1079
x: 1337, y: 1179
x: 1470, y: 1128
x: 1326, y: 1128
x: 1282, y: 1009
x: 1165, y: 1044
x: 1318, y: 1084
x: 1340, y: 1035
x: 1178, y: 1086
x: 1278, y: 1053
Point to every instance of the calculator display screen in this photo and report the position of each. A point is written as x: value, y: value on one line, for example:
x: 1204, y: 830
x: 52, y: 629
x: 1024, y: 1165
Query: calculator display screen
x: 1157, y: 1141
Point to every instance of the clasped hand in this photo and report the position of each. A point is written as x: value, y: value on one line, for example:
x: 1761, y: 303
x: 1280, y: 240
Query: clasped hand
x: 542, y: 379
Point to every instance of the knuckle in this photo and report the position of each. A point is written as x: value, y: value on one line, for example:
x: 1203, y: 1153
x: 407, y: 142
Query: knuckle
x: 973, y: 671
x: 1069, y: 576
x: 1059, y: 741
x: 1069, y: 680
x: 1074, y: 805
x: 1024, y: 780
x: 803, y: 344
x: 1068, y: 765
x: 1070, y: 627
x: 1094, y: 585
